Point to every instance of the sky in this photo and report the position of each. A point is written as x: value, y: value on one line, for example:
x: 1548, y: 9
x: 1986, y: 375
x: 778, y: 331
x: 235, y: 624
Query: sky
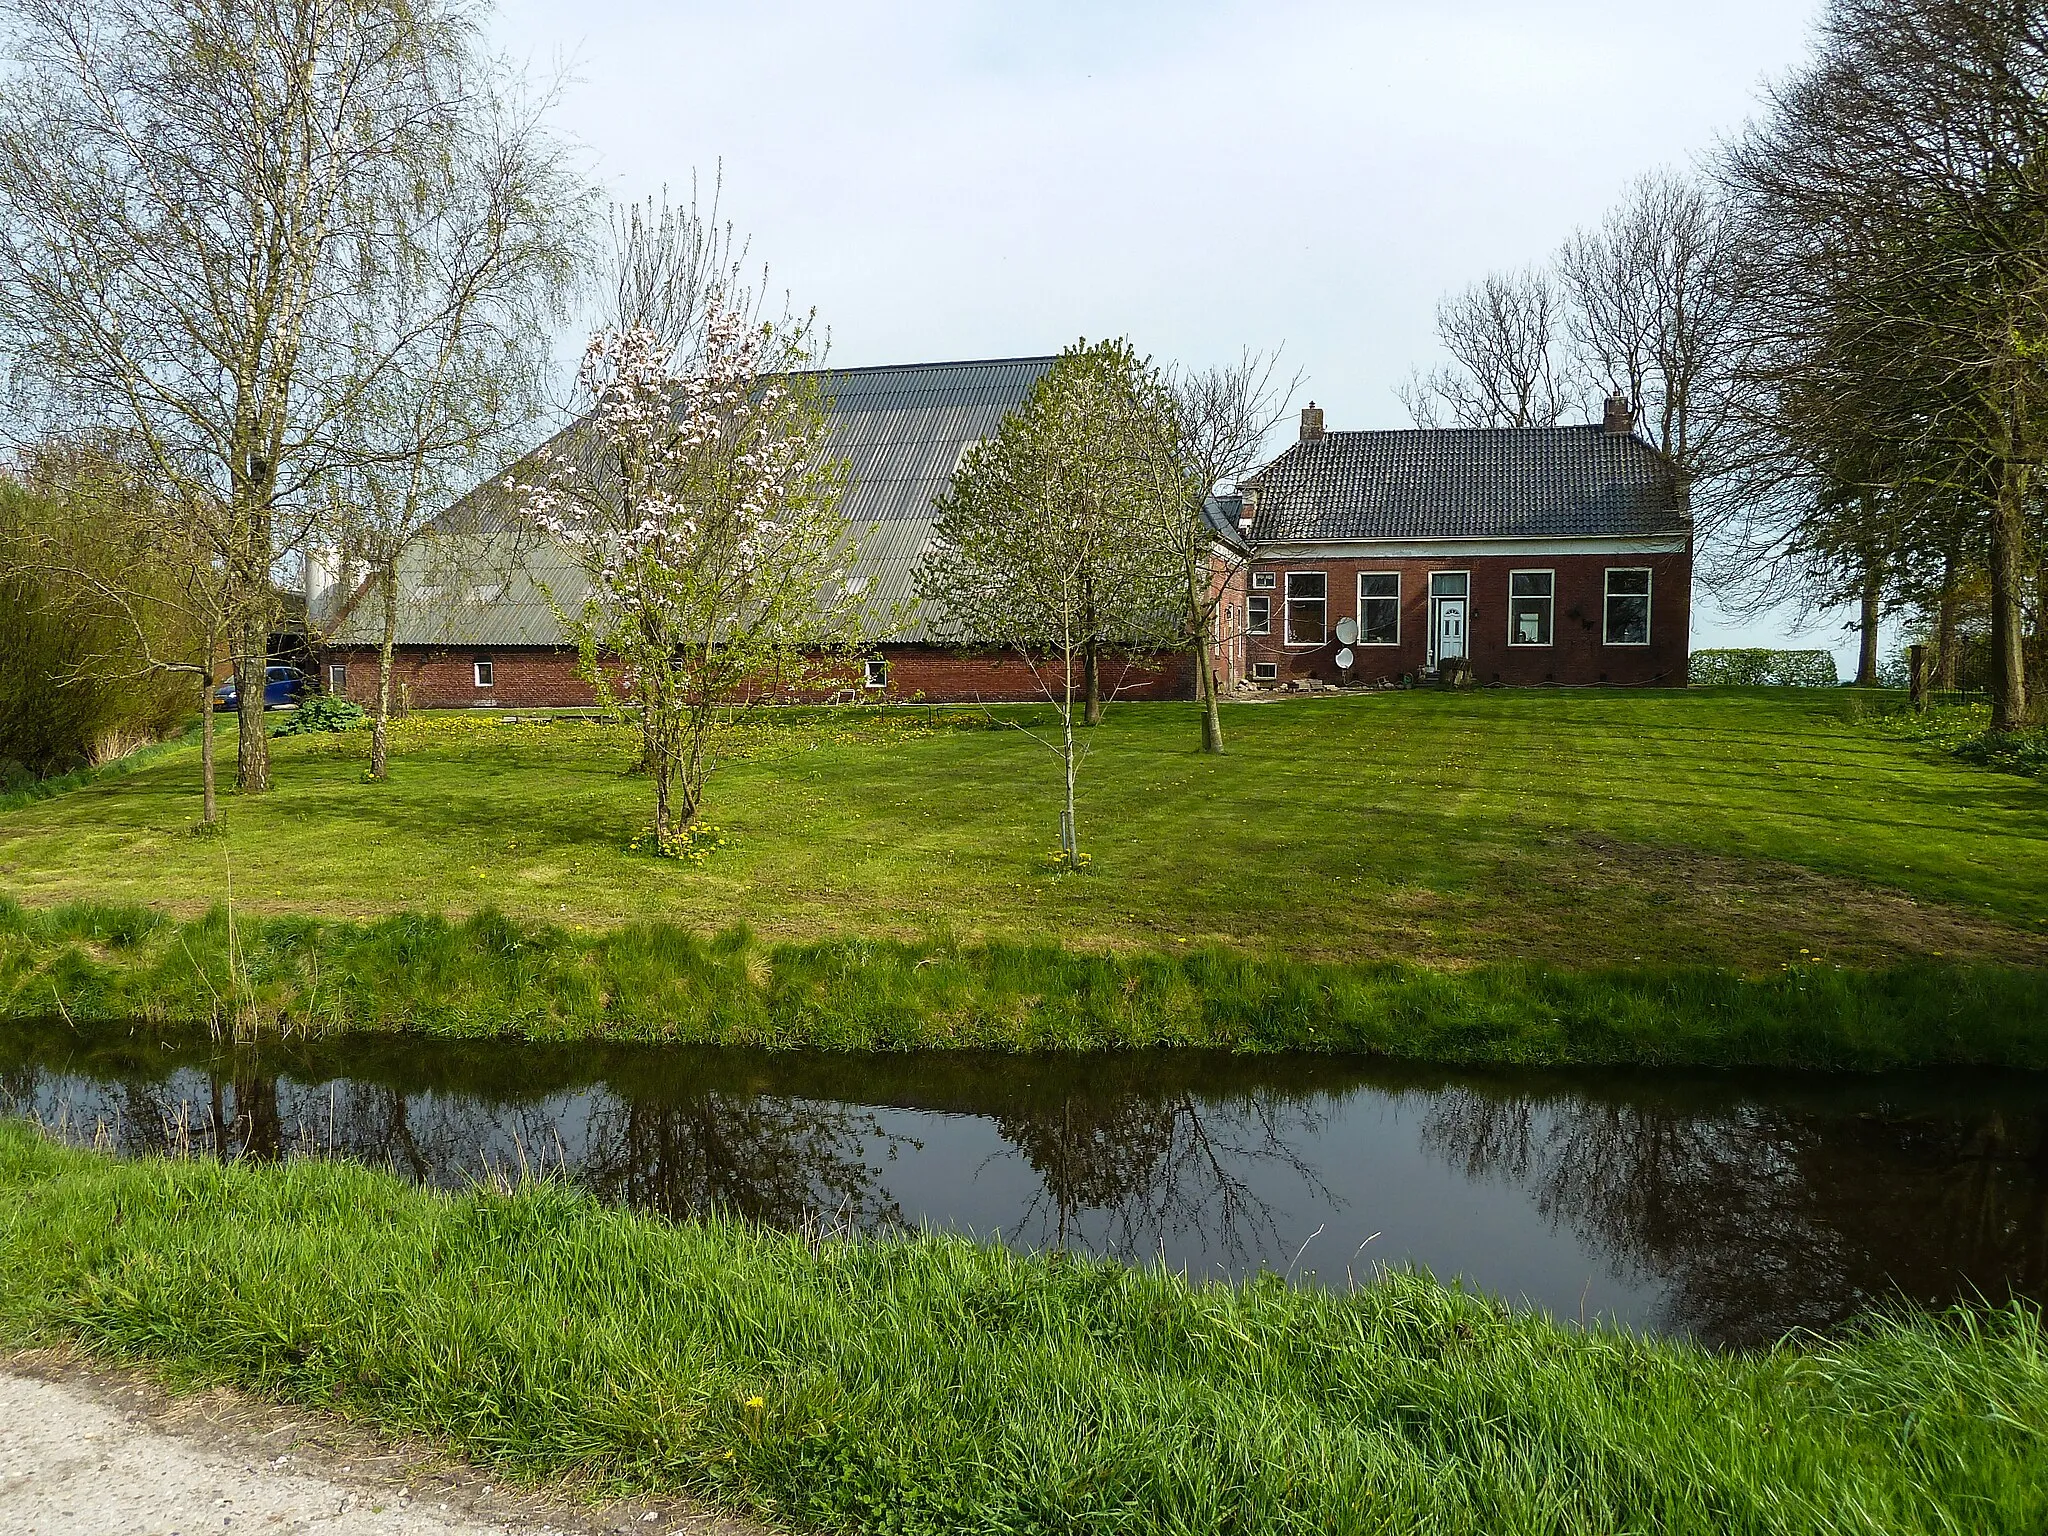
x: 968, y: 180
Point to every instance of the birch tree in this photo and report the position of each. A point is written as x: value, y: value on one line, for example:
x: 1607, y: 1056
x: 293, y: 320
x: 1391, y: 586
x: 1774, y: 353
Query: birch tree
x: 197, y: 196
x: 458, y: 332
x: 1046, y: 541
x: 705, y: 519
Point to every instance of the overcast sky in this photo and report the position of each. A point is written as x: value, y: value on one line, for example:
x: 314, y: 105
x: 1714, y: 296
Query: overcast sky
x: 976, y: 180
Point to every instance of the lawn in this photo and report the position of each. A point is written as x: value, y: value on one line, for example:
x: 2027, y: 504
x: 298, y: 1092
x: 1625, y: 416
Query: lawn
x: 1576, y: 829
x: 932, y: 1384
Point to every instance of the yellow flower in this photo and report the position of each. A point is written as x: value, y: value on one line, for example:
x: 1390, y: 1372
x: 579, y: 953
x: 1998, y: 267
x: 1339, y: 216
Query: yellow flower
x: 755, y: 1402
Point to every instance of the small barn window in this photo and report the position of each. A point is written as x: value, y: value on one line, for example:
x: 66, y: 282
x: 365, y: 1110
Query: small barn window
x: 483, y: 672
x: 1265, y: 671
x: 1379, y: 608
x: 1628, y: 607
x: 878, y: 672
x: 1307, y: 608
x: 1262, y: 581
x: 337, y: 678
x: 1531, y: 597
x: 1258, y: 616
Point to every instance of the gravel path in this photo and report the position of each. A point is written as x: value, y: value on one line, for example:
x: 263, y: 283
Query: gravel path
x: 87, y: 1451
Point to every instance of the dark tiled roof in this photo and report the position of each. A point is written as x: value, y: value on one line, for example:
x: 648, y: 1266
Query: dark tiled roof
x: 1461, y: 483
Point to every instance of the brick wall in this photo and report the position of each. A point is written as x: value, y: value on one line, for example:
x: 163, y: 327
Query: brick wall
x: 1577, y: 653
x: 545, y: 677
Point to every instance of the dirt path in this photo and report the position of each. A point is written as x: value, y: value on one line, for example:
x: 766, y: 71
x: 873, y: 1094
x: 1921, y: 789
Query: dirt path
x: 107, y: 1454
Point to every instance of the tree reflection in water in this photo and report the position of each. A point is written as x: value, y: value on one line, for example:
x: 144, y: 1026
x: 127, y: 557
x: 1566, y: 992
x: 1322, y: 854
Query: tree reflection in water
x: 1761, y: 1208
x: 1737, y: 1205
x: 1160, y: 1167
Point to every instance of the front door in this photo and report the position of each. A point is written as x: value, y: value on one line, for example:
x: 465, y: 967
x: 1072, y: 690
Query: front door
x: 1450, y: 629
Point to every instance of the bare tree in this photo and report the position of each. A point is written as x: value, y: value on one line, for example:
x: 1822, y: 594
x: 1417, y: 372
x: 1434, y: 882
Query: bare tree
x: 1502, y: 335
x: 1223, y: 417
x: 197, y: 199
x: 458, y: 333
x: 1647, y: 312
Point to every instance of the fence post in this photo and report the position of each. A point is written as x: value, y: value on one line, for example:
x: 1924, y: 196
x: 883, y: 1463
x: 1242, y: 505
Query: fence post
x: 1918, y: 681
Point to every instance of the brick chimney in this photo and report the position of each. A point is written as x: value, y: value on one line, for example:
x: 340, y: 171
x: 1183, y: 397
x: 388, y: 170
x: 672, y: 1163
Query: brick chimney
x: 1312, y: 423
x: 1621, y: 418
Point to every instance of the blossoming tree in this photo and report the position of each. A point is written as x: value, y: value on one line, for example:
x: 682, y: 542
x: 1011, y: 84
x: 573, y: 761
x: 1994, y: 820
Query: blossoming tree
x: 699, y: 508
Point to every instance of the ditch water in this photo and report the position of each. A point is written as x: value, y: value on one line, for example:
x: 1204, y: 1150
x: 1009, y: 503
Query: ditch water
x: 1726, y: 1207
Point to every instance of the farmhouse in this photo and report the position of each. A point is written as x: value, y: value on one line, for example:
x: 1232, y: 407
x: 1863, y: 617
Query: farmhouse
x: 1555, y: 555
x: 1514, y: 555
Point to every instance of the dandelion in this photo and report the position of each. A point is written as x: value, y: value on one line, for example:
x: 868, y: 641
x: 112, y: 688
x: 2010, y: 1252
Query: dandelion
x: 756, y: 1402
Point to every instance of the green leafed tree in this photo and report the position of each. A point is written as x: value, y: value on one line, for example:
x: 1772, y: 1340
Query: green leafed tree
x: 1048, y: 542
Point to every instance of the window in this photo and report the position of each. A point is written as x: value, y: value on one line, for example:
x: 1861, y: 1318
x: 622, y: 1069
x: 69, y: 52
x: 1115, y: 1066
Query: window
x: 1379, y: 608
x: 1531, y: 596
x: 483, y: 671
x: 878, y: 672
x: 337, y: 678
x: 1262, y: 581
x: 1307, y: 607
x: 1447, y: 583
x: 1265, y: 671
x: 1258, y: 616
x: 1628, y: 608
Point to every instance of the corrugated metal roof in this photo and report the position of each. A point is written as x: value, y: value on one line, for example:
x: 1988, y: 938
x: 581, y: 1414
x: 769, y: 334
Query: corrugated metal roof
x: 901, y: 430
x: 1460, y: 482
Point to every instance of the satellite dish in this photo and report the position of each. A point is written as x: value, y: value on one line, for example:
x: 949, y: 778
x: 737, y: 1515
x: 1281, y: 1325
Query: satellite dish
x: 1347, y: 634
x: 1345, y: 658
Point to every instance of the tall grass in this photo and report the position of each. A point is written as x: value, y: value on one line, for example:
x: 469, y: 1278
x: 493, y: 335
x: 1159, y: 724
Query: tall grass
x: 491, y: 976
x: 935, y: 1385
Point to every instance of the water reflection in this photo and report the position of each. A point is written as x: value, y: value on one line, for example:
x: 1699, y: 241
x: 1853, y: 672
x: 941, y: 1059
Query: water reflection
x: 1729, y: 1207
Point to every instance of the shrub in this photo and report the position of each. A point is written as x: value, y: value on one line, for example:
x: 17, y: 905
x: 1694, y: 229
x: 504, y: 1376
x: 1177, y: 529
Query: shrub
x: 1758, y: 668
x: 321, y: 712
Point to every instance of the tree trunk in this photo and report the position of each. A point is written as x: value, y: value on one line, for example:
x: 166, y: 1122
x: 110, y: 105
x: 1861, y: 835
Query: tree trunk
x: 1945, y: 642
x: 2008, y: 660
x: 209, y: 798
x: 380, y: 724
x: 1206, y: 617
x: 1092, y: 710
x: 1867, y: 622
x: 252, y: 746
x: 1070, y: 829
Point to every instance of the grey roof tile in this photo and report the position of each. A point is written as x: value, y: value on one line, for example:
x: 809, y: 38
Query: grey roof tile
x: 901, y: 431
x: 1501, y: 482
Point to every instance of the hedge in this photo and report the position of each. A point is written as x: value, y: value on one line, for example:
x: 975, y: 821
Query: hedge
x: 1757, y: 668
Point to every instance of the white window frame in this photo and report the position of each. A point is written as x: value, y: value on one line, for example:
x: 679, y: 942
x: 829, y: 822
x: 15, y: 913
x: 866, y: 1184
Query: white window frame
x: 337, y: 678
x: 1250, y: 626
x: 1395, y: 600
x: 1532, y: 645
x: 484, y: 669
x: 1287, y: 612
x: 1264, y: 581
x: 1265, y: 671
x: 1648, y: 595
x: 876, y: 672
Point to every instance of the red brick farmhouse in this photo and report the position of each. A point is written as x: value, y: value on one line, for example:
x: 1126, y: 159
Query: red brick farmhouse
x: 1543, y: 555
x: 1531, y: 555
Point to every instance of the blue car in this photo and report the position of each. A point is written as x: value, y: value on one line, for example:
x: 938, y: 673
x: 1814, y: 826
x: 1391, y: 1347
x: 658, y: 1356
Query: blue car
x: 281, y: 689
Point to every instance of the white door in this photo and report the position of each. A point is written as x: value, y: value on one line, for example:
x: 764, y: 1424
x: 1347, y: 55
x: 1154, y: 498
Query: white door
x: 1450, y: 628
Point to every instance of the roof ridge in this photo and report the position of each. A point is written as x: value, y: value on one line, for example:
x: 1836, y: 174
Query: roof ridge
x: 966, y: 362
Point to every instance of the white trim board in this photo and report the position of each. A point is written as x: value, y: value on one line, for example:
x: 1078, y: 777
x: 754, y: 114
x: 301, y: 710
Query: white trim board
x: 1452, y: 549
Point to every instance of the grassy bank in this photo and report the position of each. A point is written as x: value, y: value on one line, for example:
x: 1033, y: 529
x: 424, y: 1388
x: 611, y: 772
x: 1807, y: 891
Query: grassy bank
x: 936, y: 1385
x: 488, y: 975
x: 1571, y: 830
